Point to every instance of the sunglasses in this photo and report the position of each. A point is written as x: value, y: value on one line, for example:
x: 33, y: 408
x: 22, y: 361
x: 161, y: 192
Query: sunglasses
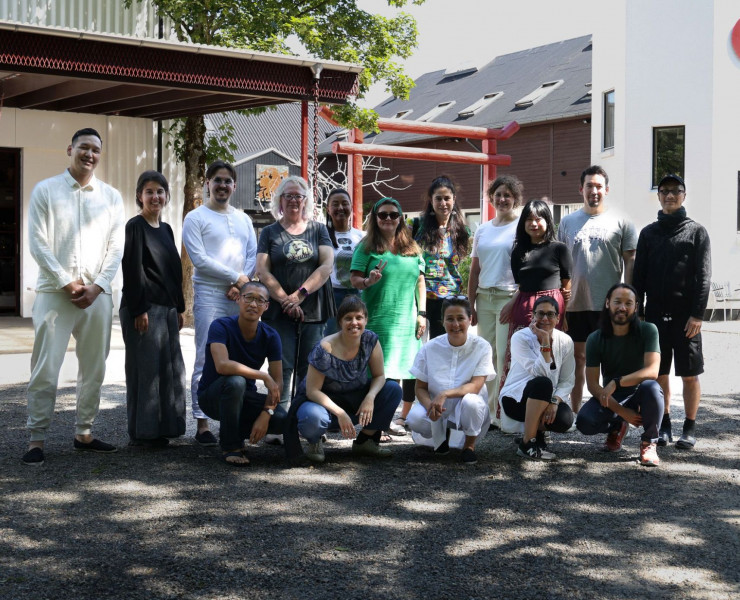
x: 384, y: 216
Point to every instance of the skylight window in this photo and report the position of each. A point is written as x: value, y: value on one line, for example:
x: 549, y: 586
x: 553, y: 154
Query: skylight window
x: 402, y: 114
x: 539, y: 94
x: 436, y: 111
x: 479, y: 105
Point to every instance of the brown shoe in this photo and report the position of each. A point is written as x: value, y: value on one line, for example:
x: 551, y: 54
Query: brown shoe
x: 613, y: 441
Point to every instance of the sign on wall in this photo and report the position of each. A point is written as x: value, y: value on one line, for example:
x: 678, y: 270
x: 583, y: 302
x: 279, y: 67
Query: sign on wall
x: 267, y: 180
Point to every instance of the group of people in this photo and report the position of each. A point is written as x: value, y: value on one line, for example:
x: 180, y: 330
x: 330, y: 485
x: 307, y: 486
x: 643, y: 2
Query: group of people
x: 333, y: 320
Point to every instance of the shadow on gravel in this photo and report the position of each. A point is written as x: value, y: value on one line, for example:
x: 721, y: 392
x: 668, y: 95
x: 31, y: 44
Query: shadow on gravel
x: 177, y: 523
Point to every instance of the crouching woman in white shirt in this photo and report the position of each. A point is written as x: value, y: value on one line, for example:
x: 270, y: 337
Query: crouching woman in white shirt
x: 540, y: 380
x: 450, y: 371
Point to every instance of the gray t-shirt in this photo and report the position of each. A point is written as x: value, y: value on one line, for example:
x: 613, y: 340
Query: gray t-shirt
x: 596, y: 243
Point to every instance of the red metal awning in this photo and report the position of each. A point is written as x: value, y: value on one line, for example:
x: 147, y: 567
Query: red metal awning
x: 54, y: 69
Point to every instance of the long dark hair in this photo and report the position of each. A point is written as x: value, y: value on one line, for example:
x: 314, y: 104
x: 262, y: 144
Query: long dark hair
x: 429, y: 233
x: 538, y: 208
x: 329, y: 222
x: 605, y: 320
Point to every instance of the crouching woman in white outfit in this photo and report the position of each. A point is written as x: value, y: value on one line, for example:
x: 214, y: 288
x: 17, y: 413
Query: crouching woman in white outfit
x: 450, y: 371
x: 540, y: 380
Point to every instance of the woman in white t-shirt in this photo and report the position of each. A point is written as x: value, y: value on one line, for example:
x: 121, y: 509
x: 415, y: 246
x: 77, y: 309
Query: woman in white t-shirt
x: 491, y: 283
x: 344, y: 238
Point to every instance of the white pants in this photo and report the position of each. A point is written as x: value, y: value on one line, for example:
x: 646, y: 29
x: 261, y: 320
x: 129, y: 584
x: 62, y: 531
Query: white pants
x: 209, y: 304
x: 469, y: 415
x: 488, y: 305
x: 55, y: 318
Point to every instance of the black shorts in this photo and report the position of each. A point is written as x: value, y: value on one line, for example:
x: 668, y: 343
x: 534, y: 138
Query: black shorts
x: 674, y: 343
x: 582, y: 323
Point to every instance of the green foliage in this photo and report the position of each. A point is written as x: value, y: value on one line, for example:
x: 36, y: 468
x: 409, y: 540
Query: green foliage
x: 218, y: 146
x: 463, y: 267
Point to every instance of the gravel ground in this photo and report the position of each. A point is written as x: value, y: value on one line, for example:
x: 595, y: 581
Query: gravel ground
x: 177, y: 523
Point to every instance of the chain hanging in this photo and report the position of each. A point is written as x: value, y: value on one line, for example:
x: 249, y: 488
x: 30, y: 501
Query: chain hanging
x: 315, y: 169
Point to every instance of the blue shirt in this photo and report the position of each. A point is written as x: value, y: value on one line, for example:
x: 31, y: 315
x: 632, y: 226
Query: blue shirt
x: 265, y: 345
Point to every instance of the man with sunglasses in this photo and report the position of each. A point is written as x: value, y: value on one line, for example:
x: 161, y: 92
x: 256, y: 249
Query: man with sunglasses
x: 221, y: 243
x: 673, y: 270
x: 236, y: 349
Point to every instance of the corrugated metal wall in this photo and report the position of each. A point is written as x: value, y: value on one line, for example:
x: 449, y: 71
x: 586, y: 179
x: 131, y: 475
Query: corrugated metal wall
x: 101, y: 16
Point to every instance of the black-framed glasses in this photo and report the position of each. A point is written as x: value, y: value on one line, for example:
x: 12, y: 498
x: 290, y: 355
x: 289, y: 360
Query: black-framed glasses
x: 256, y: 300
x: 290, y: 197
x: 221, y: 181
x: 384, y: 216
x: 666, y: 193
x: 550, y: 314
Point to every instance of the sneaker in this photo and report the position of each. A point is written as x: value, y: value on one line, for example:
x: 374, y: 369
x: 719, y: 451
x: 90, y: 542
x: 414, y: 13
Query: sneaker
x: 274, y: 439
x: 396, y: 428
x: 532, y: 451
x: 370, y: 448
x: 315, y: 452
x: 649, y: 454
x: 443, y: 449
x: 686, y: 442
x: 34, y: 457
x: 664, y: 435
x: 95, y: 446
x: 541, y: 440
x: 468, y: 456
x: 613, y: 441
x: 206, y: 438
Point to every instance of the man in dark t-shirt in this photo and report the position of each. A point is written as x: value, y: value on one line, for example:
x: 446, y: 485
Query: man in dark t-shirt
x: 236, y: 351
x: 626, y: 353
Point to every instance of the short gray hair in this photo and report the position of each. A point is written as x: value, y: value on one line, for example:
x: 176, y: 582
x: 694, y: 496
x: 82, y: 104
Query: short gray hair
x: 303, y: 184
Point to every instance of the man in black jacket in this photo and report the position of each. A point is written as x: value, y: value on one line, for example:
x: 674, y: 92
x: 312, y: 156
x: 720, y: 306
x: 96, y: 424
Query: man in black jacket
x: 673, y: 268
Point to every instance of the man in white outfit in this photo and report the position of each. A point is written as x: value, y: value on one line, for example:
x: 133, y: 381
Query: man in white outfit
x: 220, y: 241
x: 76, y: 233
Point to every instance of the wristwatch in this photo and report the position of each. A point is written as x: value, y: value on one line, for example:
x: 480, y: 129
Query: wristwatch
x: 422, y: 313
x: 553, y: 400
x: 618, y: 382
x: 303, y: 291
x: 269, y: 411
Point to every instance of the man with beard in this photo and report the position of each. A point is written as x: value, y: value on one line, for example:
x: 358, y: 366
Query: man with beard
x: 674, y: 270
x: 220, y: 241
x: 626, y: 352
x: 603, y: 244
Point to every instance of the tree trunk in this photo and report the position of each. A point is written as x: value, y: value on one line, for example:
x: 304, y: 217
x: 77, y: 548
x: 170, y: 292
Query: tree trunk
x: 194, y: 135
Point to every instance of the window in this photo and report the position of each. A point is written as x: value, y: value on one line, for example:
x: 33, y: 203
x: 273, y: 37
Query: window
x: 668, y: 151
x: 479, y: 105
x: 402, y: 114
x: 608, y: 140
x: 538, y: 94
x: 436, y: 111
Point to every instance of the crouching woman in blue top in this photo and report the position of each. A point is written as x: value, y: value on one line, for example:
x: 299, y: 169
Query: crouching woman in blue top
x: 337, y: 389
x: 542, y: 375
x: 236, y: 349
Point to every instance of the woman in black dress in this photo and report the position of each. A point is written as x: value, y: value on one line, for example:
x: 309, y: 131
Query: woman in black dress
x: 151, y: 318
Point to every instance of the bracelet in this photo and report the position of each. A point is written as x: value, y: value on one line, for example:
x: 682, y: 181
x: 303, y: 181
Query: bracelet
x: 545, y: 349
x: 422, y: 313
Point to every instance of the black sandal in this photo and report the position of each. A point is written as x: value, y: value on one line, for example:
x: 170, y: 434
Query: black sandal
x: 235, y: 454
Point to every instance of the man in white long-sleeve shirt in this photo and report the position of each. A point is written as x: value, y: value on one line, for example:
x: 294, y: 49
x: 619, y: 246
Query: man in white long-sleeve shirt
x: 76, y: 233
x: 220, y: 241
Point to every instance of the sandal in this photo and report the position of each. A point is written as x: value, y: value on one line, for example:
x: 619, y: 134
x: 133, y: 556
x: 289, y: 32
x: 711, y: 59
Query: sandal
x: 235, y: 454
x: 397, y: 427
x: 385, y: 438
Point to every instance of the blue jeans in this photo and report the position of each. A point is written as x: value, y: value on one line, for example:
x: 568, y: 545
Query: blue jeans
x: 339, y: 295
x: 311, y: 334
x: 647, y: 400
x: 314, y: 419
x: 229, y: 401
x: 209, y: 304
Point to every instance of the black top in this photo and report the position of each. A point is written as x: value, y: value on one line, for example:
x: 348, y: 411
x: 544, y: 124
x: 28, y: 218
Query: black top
x: 541, y: 267
x: 292, y: 260
x: 152, y: 271
x: 673, y: 267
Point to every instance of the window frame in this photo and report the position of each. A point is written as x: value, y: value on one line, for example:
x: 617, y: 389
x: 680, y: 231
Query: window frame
x: 608, y: 120
x: 661, y: 165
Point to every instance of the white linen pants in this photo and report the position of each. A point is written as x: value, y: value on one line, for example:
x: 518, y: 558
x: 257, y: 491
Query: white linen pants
x: 55, y: 319
x: 468, y: 415
x: 488, y: 305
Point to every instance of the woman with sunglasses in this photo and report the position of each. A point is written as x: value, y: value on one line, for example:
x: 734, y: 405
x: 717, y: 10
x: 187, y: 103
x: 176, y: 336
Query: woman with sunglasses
x: 491, y: 283
x: 294, y: 260
x: 541, y: 378
x: 441, y: 233
x: 344, y: 238
x: 151, y: 316
x: 450, y: 371
x: 388, y: 268
x: 541, y: 267
x: 345, y: 386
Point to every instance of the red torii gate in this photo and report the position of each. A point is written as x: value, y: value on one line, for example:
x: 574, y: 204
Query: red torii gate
x: 488, y: 157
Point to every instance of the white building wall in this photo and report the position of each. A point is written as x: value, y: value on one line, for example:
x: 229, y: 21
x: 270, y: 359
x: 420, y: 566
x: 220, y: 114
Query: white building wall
x: 671, y: 63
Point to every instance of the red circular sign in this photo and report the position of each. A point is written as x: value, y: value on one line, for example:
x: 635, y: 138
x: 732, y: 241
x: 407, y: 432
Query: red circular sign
x: 736, y: 38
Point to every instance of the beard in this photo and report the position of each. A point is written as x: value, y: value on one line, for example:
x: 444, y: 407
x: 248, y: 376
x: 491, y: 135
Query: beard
x: 624, y: 318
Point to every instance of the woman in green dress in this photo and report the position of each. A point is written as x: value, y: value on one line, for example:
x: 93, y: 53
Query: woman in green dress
x: 388, y: 268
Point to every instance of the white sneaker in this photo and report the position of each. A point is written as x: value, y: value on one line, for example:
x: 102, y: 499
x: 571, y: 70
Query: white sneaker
x: 315, y: 452
x: 395, y: 428
x: 274, y: 439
